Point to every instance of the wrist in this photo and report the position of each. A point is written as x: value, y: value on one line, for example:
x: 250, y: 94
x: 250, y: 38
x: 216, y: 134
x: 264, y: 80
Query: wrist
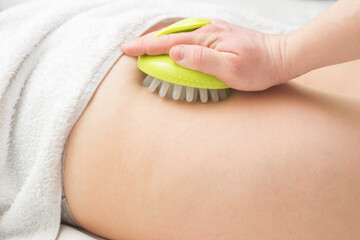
x: 282, y: 56
x: 293, y: 65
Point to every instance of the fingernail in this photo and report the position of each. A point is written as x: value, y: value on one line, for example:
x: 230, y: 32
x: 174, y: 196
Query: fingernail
x: 179, y: 53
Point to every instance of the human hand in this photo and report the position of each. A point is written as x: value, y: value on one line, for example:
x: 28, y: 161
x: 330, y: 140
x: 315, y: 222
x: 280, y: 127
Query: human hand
x: 242, y: 58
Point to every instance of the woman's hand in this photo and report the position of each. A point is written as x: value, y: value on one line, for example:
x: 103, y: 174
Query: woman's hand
x: 242, y: 58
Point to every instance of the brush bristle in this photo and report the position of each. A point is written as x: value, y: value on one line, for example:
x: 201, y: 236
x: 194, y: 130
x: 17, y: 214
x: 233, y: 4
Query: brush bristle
x: 179, y: 92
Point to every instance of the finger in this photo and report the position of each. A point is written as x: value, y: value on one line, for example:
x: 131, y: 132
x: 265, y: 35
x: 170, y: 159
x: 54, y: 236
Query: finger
x: 127, y: 47
x: 199, y: 58
x: 160, y: 45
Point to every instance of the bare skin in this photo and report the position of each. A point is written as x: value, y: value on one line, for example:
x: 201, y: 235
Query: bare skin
x: 342, y: 79
x: 278, y: 164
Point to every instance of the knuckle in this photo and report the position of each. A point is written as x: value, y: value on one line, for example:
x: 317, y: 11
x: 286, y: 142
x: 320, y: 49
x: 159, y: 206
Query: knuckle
x: 216, y: 26
x: 165, y: 38
x: 172, y: 40
x: 198, y: 55
x: 164, y: 42
x: 169, y: 38
x: 210, y: 28
x: 147, y: 46
x: 155, y: 45
x: 218, y: 21
x: 222, y: 25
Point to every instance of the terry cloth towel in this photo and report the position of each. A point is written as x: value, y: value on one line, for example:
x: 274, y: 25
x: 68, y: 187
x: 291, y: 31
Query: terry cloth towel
x: 53, y: 55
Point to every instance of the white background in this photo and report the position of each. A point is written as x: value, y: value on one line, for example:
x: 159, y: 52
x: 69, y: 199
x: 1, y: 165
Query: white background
x: 294, y: 12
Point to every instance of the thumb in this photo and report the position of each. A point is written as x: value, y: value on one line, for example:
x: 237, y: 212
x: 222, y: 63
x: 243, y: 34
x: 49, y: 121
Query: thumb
x: 199, y: 58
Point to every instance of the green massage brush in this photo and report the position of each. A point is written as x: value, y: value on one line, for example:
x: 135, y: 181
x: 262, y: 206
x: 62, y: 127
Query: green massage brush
x: 177, y: 82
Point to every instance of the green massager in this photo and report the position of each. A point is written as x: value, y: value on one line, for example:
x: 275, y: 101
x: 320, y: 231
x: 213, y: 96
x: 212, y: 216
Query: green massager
x: 175, y: 81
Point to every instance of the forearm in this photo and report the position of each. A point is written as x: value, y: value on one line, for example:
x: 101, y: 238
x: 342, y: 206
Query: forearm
x: 331, y: 38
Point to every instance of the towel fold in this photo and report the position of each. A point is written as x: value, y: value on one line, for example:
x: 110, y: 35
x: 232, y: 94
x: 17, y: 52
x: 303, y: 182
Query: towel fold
x: 53, y: 55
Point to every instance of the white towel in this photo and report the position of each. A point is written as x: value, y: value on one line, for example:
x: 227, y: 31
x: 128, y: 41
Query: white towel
x: 53, y: 55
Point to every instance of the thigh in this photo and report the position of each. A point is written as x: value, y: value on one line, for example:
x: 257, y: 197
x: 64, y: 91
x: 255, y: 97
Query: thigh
x: 277, y: 164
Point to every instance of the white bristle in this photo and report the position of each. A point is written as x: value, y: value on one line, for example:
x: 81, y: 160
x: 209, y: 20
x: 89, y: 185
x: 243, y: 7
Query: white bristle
x: 196, y: 91
x: 176, y: 91
x: 189, y: 94
x: 154, y: 84
x: 183, y: 94
x: 222, y: 94
x: 146, y: 82
x: 227, y: 92
x: 214, y: 95
x: 203, y: 94
x: 164, y: 88
x: 179, y: 92
x: 170, y: 90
